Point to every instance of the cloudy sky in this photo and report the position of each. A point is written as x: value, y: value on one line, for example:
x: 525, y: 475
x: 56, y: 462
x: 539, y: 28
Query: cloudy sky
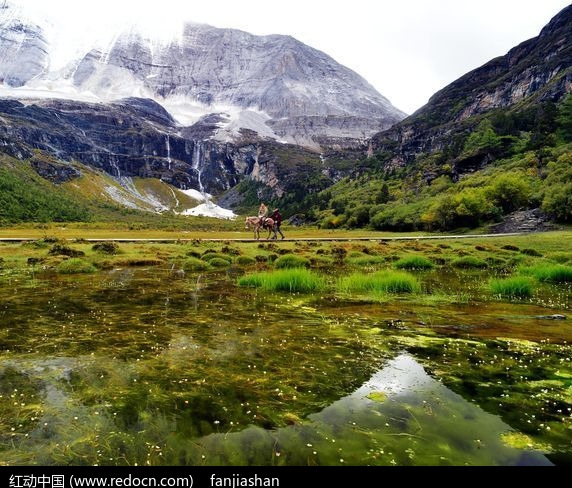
x: 407, y: 49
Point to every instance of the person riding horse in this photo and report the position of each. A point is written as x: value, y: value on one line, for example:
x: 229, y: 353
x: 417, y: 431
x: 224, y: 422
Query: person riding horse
x: 262, y: 213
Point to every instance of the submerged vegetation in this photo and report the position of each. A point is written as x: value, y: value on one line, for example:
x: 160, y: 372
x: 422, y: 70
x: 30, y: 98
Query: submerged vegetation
x: 197, y: 352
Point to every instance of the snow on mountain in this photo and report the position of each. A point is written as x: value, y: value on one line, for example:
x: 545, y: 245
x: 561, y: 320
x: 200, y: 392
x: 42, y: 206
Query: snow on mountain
x: 267, y: 84
x: 23, y: 47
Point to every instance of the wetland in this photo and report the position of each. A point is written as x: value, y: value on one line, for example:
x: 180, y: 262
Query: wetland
x: 290, y: 353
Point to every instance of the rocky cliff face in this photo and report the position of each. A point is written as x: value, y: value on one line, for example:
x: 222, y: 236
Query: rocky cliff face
x: 537, y: 70
x: 138, y: 138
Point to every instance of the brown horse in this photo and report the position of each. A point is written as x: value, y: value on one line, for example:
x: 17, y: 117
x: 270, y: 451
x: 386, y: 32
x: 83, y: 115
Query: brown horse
x: 257, y: 224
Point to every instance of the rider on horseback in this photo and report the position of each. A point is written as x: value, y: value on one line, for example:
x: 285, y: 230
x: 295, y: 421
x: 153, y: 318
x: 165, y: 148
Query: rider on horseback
x: 262, y: 213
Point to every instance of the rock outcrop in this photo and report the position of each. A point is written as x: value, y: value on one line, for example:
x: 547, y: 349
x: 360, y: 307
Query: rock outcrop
x: 538, y: 70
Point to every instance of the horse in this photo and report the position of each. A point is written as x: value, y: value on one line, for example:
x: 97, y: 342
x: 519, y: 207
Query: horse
x: 257, y: 224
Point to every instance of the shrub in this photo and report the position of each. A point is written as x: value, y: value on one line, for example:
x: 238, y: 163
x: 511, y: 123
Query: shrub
x: 510, y: 191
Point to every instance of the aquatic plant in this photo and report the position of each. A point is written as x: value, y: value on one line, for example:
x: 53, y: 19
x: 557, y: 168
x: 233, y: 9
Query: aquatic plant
x: 549, y: 273
x: 515, y: 287
x: 288, y: 280
x: 378, y: 282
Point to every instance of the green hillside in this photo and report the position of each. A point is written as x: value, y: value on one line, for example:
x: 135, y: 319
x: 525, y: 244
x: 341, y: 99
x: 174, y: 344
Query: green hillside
x: 530, y: 166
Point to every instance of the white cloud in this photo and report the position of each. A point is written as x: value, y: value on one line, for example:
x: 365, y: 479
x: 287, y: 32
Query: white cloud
x: 407, y: 50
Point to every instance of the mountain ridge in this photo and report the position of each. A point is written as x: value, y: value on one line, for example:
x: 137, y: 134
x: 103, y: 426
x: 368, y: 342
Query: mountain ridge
x: 509, y: 113
x: 206, y: 70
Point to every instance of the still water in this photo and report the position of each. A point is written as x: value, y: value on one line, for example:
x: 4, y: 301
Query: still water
x: 141, y: 367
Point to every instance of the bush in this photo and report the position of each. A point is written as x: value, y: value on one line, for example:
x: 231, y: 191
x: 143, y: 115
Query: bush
x: 510, y: 191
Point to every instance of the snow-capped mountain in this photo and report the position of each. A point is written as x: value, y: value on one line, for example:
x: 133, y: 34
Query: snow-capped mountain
x: 273, y: 85
x: 23, y: 48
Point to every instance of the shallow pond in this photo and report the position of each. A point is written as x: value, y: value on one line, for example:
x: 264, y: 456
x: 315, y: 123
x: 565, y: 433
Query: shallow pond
x: 140, y: 367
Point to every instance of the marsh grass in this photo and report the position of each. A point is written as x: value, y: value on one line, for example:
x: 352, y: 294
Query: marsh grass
x: 195, y: 264
x: 192, y: 358
x: 75, y: 266
x: 379, y: 282
x: 291, y: 261
x: 289, y: 280
x: 515, y: 287
x: 561, y: 257
x: 366, y: 260
x: 549, y: 273
x: 414, y: 263
x: 469, y: 262
x: 210, y: 256
x: 219, y: 263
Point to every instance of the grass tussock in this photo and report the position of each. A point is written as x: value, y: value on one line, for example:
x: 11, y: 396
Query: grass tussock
x: 469, y: 262
x: 365, y: 260
x: 191, y: 264
x: 516, y: 287
x: 288, y: 280
x: 549, y: 273
x: 75, y: 266
x: 291, y: 261
x: 379, y: 282
x: 414, y: 263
